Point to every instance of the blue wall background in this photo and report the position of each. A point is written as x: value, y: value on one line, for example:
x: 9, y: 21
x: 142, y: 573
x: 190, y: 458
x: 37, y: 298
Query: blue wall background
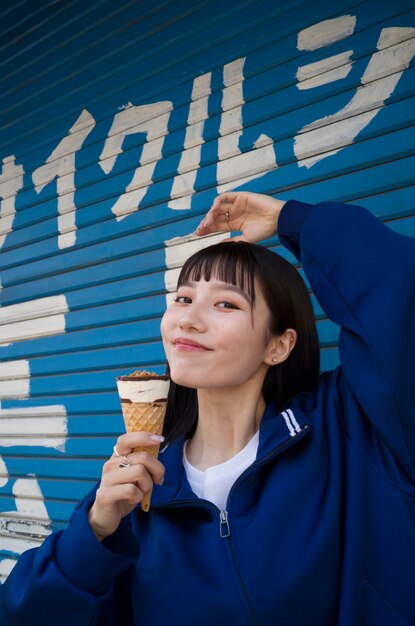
x: 149, y: 110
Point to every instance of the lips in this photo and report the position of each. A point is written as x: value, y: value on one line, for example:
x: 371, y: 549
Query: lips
x: 189, y: 345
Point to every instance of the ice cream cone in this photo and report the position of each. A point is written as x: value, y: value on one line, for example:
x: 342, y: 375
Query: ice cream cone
x: 144, y: 416
x: 148, y: 417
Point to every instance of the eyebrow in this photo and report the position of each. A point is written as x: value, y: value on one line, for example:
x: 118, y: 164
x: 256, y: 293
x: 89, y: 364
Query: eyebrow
x: 222, y: 285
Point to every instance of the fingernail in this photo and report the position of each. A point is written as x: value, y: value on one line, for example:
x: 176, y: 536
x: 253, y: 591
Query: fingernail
x: 161, y: 481
x: 158, y: 438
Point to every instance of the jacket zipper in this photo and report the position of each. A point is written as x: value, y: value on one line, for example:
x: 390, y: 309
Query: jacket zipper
x: 224, y: 524
x: 225, y: 530
x: 243, y: 586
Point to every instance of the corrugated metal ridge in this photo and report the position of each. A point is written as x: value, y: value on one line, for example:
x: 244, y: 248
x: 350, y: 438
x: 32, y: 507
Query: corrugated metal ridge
x: 150, y: 54
x: 4, y: 11
x: 145, y: 270
x: 282, y: 136
x: 27, y: 16
x: 153, y: 10
x: 150, y: 95
x: 179, y: 127
x: 379, y: 160
x: 68, y: 22
x: 248, y: 101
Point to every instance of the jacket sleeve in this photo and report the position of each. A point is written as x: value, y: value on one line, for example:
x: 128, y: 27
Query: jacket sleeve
x: 363, y: 275
x: 70, y: 579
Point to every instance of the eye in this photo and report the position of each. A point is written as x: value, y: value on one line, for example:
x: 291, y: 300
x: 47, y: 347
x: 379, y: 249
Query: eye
x: 224, y: 304
x: 182, y: 300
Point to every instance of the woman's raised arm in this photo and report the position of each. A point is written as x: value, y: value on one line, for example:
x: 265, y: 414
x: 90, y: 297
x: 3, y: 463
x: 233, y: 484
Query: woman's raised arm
x: 363, y: 275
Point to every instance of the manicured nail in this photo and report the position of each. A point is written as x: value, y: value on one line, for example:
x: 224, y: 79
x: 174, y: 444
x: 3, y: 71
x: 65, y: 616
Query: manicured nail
x: 158, y: 438
x: 161, y: 481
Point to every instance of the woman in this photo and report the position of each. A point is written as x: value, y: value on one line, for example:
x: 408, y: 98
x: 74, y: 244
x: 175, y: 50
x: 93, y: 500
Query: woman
x: 287, y: 498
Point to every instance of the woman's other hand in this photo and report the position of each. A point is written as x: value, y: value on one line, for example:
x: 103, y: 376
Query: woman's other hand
x: 122, y: 488
x: 254, y: 215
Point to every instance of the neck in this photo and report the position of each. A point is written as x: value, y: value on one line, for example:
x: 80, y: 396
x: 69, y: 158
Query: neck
x: 228, y: 419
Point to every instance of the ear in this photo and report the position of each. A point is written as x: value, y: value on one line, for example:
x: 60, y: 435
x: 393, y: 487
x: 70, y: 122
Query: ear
x: 280, y: 346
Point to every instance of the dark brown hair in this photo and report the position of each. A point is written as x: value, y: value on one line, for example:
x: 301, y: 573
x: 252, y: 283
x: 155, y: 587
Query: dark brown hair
x: 289, y: 305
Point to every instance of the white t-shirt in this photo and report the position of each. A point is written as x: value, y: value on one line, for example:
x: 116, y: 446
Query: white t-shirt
x: 215, y: 483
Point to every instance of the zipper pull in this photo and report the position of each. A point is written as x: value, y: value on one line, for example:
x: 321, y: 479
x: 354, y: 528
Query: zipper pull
x: 224, y: 528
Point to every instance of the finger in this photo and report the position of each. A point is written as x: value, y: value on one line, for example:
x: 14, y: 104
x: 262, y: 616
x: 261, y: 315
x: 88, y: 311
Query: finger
x: 128, y: 441
x: 154, y: 468
x: 224, y: 199
x: 216, y: 220
x: 121, y: 493
x: 216, y: 217
x: 152, y: 465
x: 136, y: 475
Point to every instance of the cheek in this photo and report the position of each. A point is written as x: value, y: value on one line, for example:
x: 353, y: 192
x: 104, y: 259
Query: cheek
x: 165, y: 326
x: 243, y: 344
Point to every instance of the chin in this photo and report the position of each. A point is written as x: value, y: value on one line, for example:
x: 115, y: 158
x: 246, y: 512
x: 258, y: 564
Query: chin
x: 187, y: 379
x: 181, y: 377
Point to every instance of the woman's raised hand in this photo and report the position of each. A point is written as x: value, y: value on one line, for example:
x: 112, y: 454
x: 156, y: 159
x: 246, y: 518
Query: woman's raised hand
x: 123, y: 487
x: 255, y: 215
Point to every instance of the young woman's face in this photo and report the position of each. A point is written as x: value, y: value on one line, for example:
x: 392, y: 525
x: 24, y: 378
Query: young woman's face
x: 213, y: 338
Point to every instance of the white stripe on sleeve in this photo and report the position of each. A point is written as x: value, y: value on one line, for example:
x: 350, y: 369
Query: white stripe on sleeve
x: 294, y: 421
x: 288, y: 423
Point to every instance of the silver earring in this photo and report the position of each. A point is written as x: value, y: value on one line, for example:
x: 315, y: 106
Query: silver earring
x: 274, y: 360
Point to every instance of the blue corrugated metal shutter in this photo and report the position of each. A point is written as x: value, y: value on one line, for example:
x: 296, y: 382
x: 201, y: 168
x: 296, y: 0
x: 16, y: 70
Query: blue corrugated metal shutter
x: 120, y: 122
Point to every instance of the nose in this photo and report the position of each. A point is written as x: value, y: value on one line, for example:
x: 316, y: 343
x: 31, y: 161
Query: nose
x: 191, y: 319
x: 188, y: 324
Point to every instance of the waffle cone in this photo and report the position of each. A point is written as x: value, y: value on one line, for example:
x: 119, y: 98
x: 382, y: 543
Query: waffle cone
x: 148, y: 417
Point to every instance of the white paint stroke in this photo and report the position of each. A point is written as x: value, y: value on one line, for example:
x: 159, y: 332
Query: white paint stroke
x: 29, y: 499
x: 325, y: 71
x: 45, y: 426
x: 19, y: 524
x: 11, y: 181
x: 327, y: 135
x: 16, y: 544
x: 10, y: 370
x: 151, y: 119
x: 58, y: 443
x: 6, y: 567
x: 51, y: 410
x: 179, y: 249
x: 61, y: 165
x: 232, y: 101
x: 326, y: 32
x: 32, y: 329
x: 41, y: 307
x: 234, y: 167
x: 14, y: 389
x: 25, y: 427
x: 4, y: 474
x: 183, y: 184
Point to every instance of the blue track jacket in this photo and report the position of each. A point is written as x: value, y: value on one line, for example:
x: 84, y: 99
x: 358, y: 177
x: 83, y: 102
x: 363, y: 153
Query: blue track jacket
x: 320, y: 529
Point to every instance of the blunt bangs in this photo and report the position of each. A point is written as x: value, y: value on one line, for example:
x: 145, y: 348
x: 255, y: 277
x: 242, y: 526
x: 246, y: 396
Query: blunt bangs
x: 232, y: 262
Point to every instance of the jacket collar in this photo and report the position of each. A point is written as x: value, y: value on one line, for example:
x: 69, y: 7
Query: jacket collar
x: 277, y: 432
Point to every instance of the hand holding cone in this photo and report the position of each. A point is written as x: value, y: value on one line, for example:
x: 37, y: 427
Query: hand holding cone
x: 143, y: 398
